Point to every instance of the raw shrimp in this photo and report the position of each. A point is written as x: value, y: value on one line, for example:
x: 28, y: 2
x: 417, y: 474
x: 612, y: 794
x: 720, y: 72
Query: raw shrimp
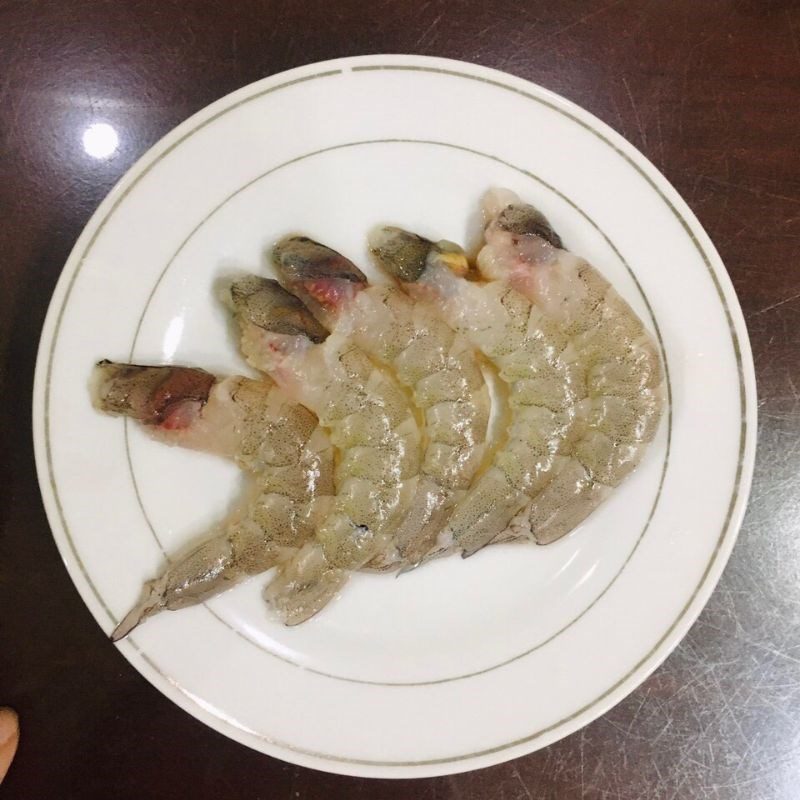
x: 369, y: 419
x: 524, y: 348
x: 581, y: 395
x: 584, y: 376
x: 425, y: 354
x: 614, y: 363
x: 255, y: 424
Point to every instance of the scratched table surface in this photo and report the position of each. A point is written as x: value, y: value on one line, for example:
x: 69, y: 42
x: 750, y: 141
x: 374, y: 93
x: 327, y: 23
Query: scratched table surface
x: 709, y: 91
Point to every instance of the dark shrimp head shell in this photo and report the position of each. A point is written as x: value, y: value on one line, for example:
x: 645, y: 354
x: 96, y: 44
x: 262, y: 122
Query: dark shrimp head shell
x: 153, y: 395
x: 322, y: 278
x: 405, y: 255
x: 266, y: 304
x: 521, y: 219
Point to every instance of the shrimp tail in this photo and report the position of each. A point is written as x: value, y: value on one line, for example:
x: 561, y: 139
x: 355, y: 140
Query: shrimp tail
x: 304, y: 585
x: 322, y: 278
x: 206, y: 570
x: 267, y: 305
x: 153, y: 600
x: 167, y: 396
x: 417, y: 533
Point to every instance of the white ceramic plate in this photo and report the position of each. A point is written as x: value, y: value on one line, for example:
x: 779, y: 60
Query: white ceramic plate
x: 464, y: 663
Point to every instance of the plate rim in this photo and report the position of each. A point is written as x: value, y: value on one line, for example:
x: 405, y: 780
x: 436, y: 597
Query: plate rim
x: 693, y: 229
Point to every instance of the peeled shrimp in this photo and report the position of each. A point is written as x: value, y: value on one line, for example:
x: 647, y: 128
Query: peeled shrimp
x: 505, y: 326
x: 616, y: 371
x: 367, y: 415
x: 426, y: 356
x: 251, y: 422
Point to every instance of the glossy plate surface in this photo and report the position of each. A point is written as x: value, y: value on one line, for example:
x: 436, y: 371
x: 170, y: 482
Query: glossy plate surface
x: 464, y: 663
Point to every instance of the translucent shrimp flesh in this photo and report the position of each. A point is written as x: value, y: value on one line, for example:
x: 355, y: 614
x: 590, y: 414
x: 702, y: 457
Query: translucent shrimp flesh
x: 434, y: 363
x: 616, y: 372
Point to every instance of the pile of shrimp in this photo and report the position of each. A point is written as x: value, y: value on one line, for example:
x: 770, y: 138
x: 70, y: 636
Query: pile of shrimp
x: 372, y: 440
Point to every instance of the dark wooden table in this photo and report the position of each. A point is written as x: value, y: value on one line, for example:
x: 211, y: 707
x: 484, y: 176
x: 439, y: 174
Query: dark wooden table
x: 709, y: 90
